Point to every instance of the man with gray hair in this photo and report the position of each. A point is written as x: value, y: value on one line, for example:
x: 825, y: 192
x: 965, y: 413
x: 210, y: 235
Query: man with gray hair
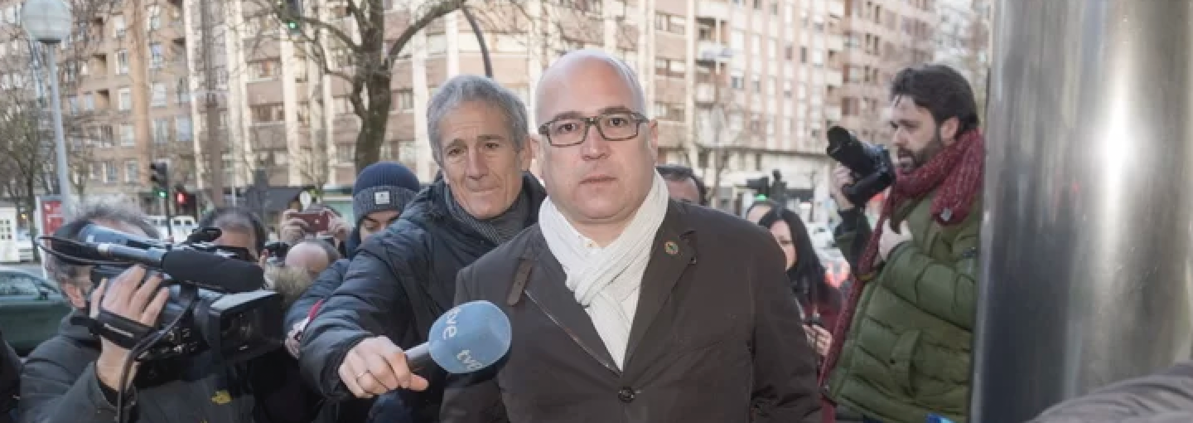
x: 400, y: 281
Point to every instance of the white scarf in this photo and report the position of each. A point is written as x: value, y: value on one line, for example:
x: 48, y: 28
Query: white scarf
x: 606, y: 280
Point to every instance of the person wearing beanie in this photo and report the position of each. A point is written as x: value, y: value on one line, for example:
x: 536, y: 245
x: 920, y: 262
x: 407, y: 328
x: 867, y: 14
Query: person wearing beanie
x: 380, y: 195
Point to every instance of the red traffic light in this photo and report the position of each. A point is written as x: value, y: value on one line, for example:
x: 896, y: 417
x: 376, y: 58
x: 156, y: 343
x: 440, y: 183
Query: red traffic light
x: 180, y: 197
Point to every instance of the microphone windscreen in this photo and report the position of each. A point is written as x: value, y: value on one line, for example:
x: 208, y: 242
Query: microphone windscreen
x: 470, y: 337
x: 213, y: 272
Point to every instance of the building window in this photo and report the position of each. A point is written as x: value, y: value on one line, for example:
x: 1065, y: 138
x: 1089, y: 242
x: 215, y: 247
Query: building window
x: 122, y: 62
x: 105, y: 136
x: 159, y: 94
x: 184, y: 91
x: 267, y: 113
x: 118, y: 27
x: 304, y: 114
x: 155, y: 56
x: 124, y: 99
x: 182, y: 128
x: 110, y: 173
x: 161, y: 131
x: 131, y: 171
x: 403, y: 100
x: 155, y: 17
x: 345, y: 153
x: 127, y: 136
x: 264, y: 69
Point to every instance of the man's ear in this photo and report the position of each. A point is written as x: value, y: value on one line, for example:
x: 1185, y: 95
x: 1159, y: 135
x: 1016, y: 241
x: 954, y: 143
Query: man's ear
x: 653, y: 135
x: 948, y: 129
x: 529, y: 152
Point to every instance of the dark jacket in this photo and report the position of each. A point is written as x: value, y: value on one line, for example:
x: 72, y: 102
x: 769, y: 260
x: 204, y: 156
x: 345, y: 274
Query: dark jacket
x: 347, y: 410
x: 10, y: 381
x: 59, y: 385
x: 1165, y: 397
x: 326, y: 283
x: 398, y: 283
x: 716, y: 336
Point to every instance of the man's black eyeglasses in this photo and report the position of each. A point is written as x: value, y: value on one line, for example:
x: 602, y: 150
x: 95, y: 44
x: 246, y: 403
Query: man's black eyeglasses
x: 614, y: 126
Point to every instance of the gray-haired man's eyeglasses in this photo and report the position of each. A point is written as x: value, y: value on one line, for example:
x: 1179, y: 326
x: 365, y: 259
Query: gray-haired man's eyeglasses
x: 614, y: 126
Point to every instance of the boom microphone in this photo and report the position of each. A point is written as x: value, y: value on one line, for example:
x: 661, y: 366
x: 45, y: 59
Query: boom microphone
x: 196, y: 267
x: 468, y: 338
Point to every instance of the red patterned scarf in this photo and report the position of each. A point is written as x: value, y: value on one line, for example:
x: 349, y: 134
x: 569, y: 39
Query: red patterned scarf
x: 957, y: 171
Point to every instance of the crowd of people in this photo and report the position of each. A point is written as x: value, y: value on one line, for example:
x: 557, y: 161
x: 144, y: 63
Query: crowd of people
x: 629, y: 300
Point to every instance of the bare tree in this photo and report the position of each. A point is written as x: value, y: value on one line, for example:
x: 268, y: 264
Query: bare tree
x: 721, y: 130
x: 363, y: 56
x: 24, y: 154
x: 312, y: 162
x: 358, y: 41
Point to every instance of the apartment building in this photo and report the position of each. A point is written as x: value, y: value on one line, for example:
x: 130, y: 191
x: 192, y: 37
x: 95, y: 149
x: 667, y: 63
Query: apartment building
x: 741, y: 87
x: 768, y: 80
x: 963, y: 40
x: 122, y: 78
x: 881, y: 37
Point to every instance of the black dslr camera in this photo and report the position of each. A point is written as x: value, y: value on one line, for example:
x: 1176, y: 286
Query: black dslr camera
x: 873, y: 170
x: 216, y: 298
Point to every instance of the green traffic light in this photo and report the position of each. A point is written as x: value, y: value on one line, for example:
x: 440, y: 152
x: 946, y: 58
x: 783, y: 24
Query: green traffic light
x: 161, y: 194
x: 292, y: 25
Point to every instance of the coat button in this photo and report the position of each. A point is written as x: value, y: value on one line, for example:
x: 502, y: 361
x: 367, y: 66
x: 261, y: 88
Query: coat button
x: 626, y: 395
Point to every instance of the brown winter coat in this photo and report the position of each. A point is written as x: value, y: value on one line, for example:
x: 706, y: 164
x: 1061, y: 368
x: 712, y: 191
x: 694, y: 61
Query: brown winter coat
x: 716, y: 338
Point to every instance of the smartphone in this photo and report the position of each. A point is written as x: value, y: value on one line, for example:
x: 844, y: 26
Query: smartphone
x: 317, y: 220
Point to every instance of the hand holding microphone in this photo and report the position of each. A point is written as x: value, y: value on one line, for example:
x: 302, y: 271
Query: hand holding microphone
x: 468, y: 338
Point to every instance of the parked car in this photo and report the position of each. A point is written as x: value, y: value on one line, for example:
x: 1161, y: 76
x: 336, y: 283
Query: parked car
x: 24, y: 247
x: 31, y: 309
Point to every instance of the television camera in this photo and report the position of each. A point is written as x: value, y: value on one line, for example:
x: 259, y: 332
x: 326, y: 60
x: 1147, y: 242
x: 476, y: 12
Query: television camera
x: 216, y: 301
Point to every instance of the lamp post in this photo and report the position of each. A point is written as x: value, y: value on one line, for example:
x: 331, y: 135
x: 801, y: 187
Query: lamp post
x: 480, y: 38
x: 49, y: 22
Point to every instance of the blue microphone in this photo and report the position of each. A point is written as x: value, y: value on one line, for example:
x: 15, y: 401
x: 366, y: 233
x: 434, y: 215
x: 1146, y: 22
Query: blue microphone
x: 468, y: 338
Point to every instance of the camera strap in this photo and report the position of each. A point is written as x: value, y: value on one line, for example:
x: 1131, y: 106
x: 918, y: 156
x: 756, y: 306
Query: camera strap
x: 118, y: 330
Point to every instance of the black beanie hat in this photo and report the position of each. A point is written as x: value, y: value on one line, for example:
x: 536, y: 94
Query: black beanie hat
x: 383, y: 186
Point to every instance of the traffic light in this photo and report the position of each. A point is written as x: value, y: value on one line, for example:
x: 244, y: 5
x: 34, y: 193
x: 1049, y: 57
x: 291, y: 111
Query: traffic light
x: 759, y: 185
x: 778, y: 188
x: 159, y: 176
x: 184, y: 202
x: 290, y: 12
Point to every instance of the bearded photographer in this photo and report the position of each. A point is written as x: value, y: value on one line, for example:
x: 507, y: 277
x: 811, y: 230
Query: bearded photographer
x: 74, y: 377
x: 915, y: 287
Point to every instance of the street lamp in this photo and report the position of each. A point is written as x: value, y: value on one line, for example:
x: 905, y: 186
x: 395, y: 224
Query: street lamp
x: 480, y: 38
x: 49, y: 22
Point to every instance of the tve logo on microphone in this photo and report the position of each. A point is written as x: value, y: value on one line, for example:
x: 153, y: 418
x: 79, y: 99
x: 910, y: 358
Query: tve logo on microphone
x: 472, y: 336
x: 449, y: 332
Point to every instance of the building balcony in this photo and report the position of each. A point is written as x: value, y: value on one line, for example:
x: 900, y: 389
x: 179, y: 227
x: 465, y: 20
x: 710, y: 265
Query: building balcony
x: 706, y: 92
x: 836, y: 8
x: 832, y: 113
x: 834, y: 43
x: 712, y: 51
x: 833, y: 78
x: 715, y: 10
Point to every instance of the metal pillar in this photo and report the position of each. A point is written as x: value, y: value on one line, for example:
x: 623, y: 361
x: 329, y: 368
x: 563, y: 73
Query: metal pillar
x: 60, y: 160
x: 1087, y: 241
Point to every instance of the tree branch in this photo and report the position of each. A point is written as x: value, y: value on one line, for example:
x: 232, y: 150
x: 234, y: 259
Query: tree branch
x: 437, y: 11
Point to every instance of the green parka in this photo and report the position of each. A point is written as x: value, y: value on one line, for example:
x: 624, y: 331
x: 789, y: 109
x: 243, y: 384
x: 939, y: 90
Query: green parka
x: 907, y: 353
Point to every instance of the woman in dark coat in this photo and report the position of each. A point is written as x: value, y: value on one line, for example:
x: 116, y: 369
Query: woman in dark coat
x: 820, y: 301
